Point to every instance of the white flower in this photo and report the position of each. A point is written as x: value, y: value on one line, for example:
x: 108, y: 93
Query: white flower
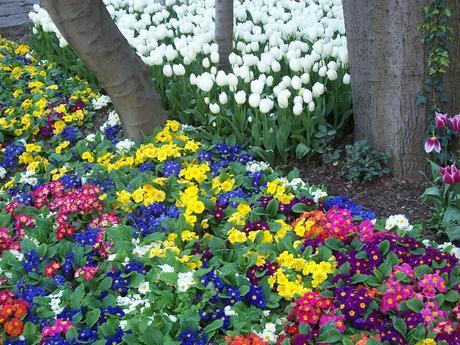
x: 297, y: 183
x: 100, y: 102
x: 322, y: 71
x: 221, y: 78
x: 269, y: 333
x: 125, y: 145
x: 2, y: 172
x: 318, y: 89
x: 228, y: 311
x: 399, y: 221
x: 283, y: 98
x: 179, y: 69
x: 26, y: 177
x: 144, y: 288
x: 205, y: 63
x: 240, y: 97
x: 332, y: 75
x: 297, y: 109
x: 311, y: 106
x: 266, y: 105
x: 266, y: 312
x: 167, y: 71
x: 307, y: 96
x: 255, y: 166
x: 124, y: 324
x: 254, y: 100
x: 305, y: 78
x: 91, y: 137
x: 296, y: 83
x: 111, y: 257
x: 346, y: 79
x: 214, y: 108
x: 205, y: 82
x: 276, y: 67
x: 257, y: 86
x: 184, y: 281
x: 223, y: 98
x: 165, y: 268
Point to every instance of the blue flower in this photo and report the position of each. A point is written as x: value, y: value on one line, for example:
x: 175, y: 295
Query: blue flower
x: 31, y: 261
x: 171, y: 168
x: 87, y: 237
x: 255, y: 296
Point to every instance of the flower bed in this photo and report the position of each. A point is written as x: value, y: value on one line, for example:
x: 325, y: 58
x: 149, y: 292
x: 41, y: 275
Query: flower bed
x: 179, y: 241
x: 286, y: 77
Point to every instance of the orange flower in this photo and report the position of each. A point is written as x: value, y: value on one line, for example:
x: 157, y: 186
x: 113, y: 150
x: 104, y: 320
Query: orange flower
x: 251, y: 339
x: 14, y: 327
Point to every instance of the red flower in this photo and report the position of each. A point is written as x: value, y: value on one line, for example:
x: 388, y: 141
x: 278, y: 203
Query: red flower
x: 14, y: 327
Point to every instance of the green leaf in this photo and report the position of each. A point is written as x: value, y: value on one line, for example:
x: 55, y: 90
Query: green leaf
x: 304, y: 328
x: 334, y: 243
x: 399, y: 325
x: 213, y: 326
x: 92, y: 317
x: 300, y: 208
x: 384, y: 247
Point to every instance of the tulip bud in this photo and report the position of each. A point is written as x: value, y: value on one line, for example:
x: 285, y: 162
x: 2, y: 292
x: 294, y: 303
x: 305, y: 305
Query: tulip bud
x: 441, y: 120
x: 450, y: 174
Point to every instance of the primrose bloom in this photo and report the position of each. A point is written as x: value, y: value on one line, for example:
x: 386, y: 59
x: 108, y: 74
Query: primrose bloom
x: 450, y: 174
x: 432, y: 144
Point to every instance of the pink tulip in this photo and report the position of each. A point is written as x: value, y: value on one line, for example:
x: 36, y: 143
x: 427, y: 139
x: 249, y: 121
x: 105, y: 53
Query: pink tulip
x: 441, y: 120
x: 454, y: 123
x: 450, y: 174
x: 432, y: 144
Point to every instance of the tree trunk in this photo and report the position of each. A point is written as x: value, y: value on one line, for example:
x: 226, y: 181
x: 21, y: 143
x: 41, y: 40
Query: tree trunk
x: 387, y: 72
x: 224, y: 31
x: 452, y: 80
x: 91, y: 32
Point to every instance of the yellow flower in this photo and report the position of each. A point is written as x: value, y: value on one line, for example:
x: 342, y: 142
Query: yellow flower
x: 62, y: 146
x: 427, y: 341
x: 236, y: 236
x: 59, y: 126
x: 87, y: 156
x: 188, y: 235
x: 123, y: 197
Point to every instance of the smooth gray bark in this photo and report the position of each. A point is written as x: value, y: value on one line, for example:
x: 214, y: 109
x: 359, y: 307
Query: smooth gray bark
x: 387, y: 69
x: 224, y: 31
x: 91, y: 32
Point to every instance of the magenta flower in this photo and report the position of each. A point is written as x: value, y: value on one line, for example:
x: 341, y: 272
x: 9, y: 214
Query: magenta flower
x: 450, y: 174
x: 432, y: 144
x: 441, y: 120
x: 454, y: 123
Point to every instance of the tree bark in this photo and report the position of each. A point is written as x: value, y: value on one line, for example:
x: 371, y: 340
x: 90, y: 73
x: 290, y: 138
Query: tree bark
x: 387, y: 72
x: 224, y: 32
x: 91, y: 32
x: 452, y: 80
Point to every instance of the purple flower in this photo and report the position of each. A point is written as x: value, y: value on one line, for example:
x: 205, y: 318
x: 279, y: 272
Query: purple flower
x: 450, y: 174
x: 454, y: 123
x: 432, y: 144
x: 441, y: 120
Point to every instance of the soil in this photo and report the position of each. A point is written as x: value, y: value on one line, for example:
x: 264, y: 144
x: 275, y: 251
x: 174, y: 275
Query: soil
x: 385, y: 196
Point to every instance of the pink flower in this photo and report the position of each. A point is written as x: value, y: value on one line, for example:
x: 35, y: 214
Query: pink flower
x: 336, y: 320
x: 441, y: 120
x: 454, y: 123
x: 432, y: 144
x: 450, y: 174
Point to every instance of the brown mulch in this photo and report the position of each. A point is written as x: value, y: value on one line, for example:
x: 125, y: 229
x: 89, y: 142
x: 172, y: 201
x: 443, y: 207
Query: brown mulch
x: 385, y: 196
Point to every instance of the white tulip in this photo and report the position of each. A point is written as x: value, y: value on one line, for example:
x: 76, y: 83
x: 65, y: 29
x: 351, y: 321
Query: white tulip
x: 346, y: 79
x: 193, y: 79
x: 257, y: 86
x: 307, y: 96
x: 297, y: 109
x: 318, y: 90
x: 269, y: 81
x: 232, y: 80
x: 254, y: 100
x: 332, y: 75
x: 311, y: 106
x: 167, y: 71
x: 305, y: 78
x: 223, y: 98
x: 204, y: 82
x: 221, y: 78
x: 205, y: 63
x: 179, y: 69
x: 283, y: 99
x: 322, y: 71
x: 206, y: 100
x: 214, y: 57
x: 240, y: 97
x: 276, y: 67
x: 266, y: 105
x: 298, y: 99
x: 214, y: 108
x: 296, y: 83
